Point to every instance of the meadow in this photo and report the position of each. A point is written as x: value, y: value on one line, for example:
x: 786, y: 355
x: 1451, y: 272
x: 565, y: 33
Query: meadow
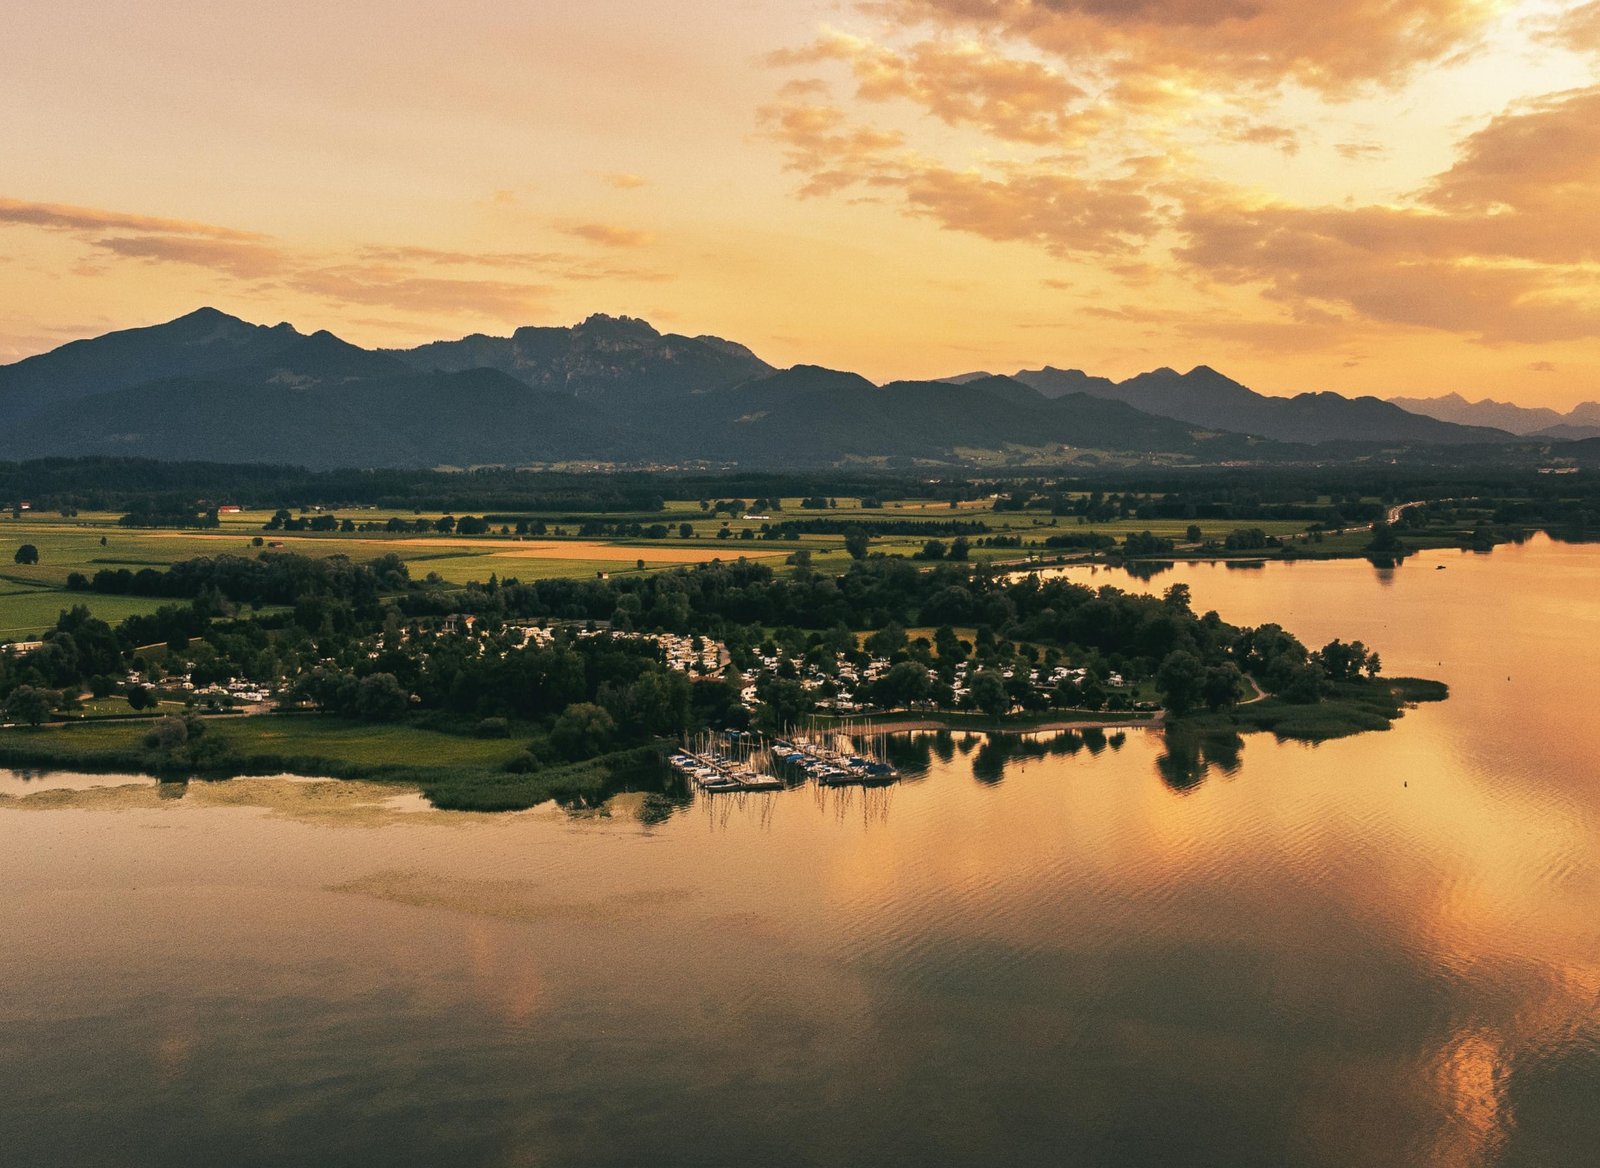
x: 454, y: 771
x: 31, y: 595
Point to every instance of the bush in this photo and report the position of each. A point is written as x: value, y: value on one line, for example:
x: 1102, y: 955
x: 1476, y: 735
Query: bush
x: 169, y: 734
x: 583, y: 731
x: 381, y: 698
x: 494, y: 728
x: 30, y: 704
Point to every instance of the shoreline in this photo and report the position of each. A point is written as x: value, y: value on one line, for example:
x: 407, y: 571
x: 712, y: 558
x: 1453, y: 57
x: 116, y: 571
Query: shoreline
x: 909, y: 725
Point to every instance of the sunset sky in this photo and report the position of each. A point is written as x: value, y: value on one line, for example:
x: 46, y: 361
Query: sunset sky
x: 1376, y: 196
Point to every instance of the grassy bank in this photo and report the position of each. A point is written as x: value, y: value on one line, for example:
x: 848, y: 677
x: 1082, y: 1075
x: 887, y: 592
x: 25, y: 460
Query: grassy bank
x: 455, y: 772
x: 464, y: 773
x: 1353, y: 708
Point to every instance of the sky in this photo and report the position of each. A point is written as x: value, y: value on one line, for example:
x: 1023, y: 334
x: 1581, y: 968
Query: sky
x: 1369, y: 196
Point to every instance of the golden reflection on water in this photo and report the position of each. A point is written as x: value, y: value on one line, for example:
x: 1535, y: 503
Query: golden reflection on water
x: 1488, y: 861
x: 1350, y: 953
x: 1470, y: 1076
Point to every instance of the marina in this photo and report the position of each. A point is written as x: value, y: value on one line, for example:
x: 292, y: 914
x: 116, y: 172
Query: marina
x: 835, y: 759
x: 742, y: 762
x: 724, y: 763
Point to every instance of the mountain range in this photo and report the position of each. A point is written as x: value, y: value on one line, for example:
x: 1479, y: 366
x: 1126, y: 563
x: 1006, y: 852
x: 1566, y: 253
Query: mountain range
x: 1582, y: 421
x: 614, y: 389
x: 1205, y: 397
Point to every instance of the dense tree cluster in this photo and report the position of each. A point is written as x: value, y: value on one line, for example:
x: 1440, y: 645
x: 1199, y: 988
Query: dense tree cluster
x: 1249, y: 539
x: 269, y: 578
x: 152, y: 514
x: 1143, y: 543
x: 1084, y: 540
x: 365, y: 640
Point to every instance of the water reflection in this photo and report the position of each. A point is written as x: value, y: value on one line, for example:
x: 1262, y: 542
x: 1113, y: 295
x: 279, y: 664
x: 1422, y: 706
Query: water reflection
x: 723, y: 809
x: 1191, y: 754
x: 1002, y: 752
x: 868, y: 805
x: 1148, y: 569
x: 30, y: 781
x: 913, y: 754
x: 1124, y: 949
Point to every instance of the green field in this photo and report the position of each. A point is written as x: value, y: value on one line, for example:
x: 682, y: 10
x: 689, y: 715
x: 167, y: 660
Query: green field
x: 24, y: 612
x: 454, y: 771
x: 357, y: 744
x: 32, y: 595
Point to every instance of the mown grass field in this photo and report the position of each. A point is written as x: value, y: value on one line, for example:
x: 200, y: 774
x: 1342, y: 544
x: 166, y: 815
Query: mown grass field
x: 363, y: 744
x: 25, y: 611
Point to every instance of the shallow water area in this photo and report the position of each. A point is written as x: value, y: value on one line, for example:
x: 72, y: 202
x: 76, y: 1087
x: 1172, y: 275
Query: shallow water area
x: 1090, y: 949
x: 19, y: 784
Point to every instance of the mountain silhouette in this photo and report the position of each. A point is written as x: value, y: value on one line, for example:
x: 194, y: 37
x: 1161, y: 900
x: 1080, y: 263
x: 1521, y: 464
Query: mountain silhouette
x: 614, y: 389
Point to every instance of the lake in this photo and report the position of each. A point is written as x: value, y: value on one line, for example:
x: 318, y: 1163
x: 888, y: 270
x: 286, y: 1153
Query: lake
x: 1378, y: 951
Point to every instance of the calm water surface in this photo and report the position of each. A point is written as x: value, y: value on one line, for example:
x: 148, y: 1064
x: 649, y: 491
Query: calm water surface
x: 1380, y: 951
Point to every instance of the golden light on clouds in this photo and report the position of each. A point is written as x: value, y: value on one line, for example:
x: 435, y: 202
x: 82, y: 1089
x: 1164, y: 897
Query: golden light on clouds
x: 1366, y: 195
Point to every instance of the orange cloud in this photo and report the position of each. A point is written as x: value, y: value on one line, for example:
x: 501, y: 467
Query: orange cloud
x: 824, y: 147
x: 961, y: 83
x: 1063, y: 214
x: 623, y: 181
x: 1499, y: 246
x: 63, y: 217
x: 1361, y: 151
x: 397, y: 277
x: 803, y: 87
x: 247, y: 261
x: 1333, y: 46
x: 1540, y: 158
x: 608, y: 235
x: 1246, y: 132
x: 1393, y: 265
x: 1011, y: 202
x: 1577, y: 29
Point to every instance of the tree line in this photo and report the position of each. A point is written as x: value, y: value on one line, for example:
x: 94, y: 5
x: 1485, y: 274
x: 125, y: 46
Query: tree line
x: 343, y: 623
